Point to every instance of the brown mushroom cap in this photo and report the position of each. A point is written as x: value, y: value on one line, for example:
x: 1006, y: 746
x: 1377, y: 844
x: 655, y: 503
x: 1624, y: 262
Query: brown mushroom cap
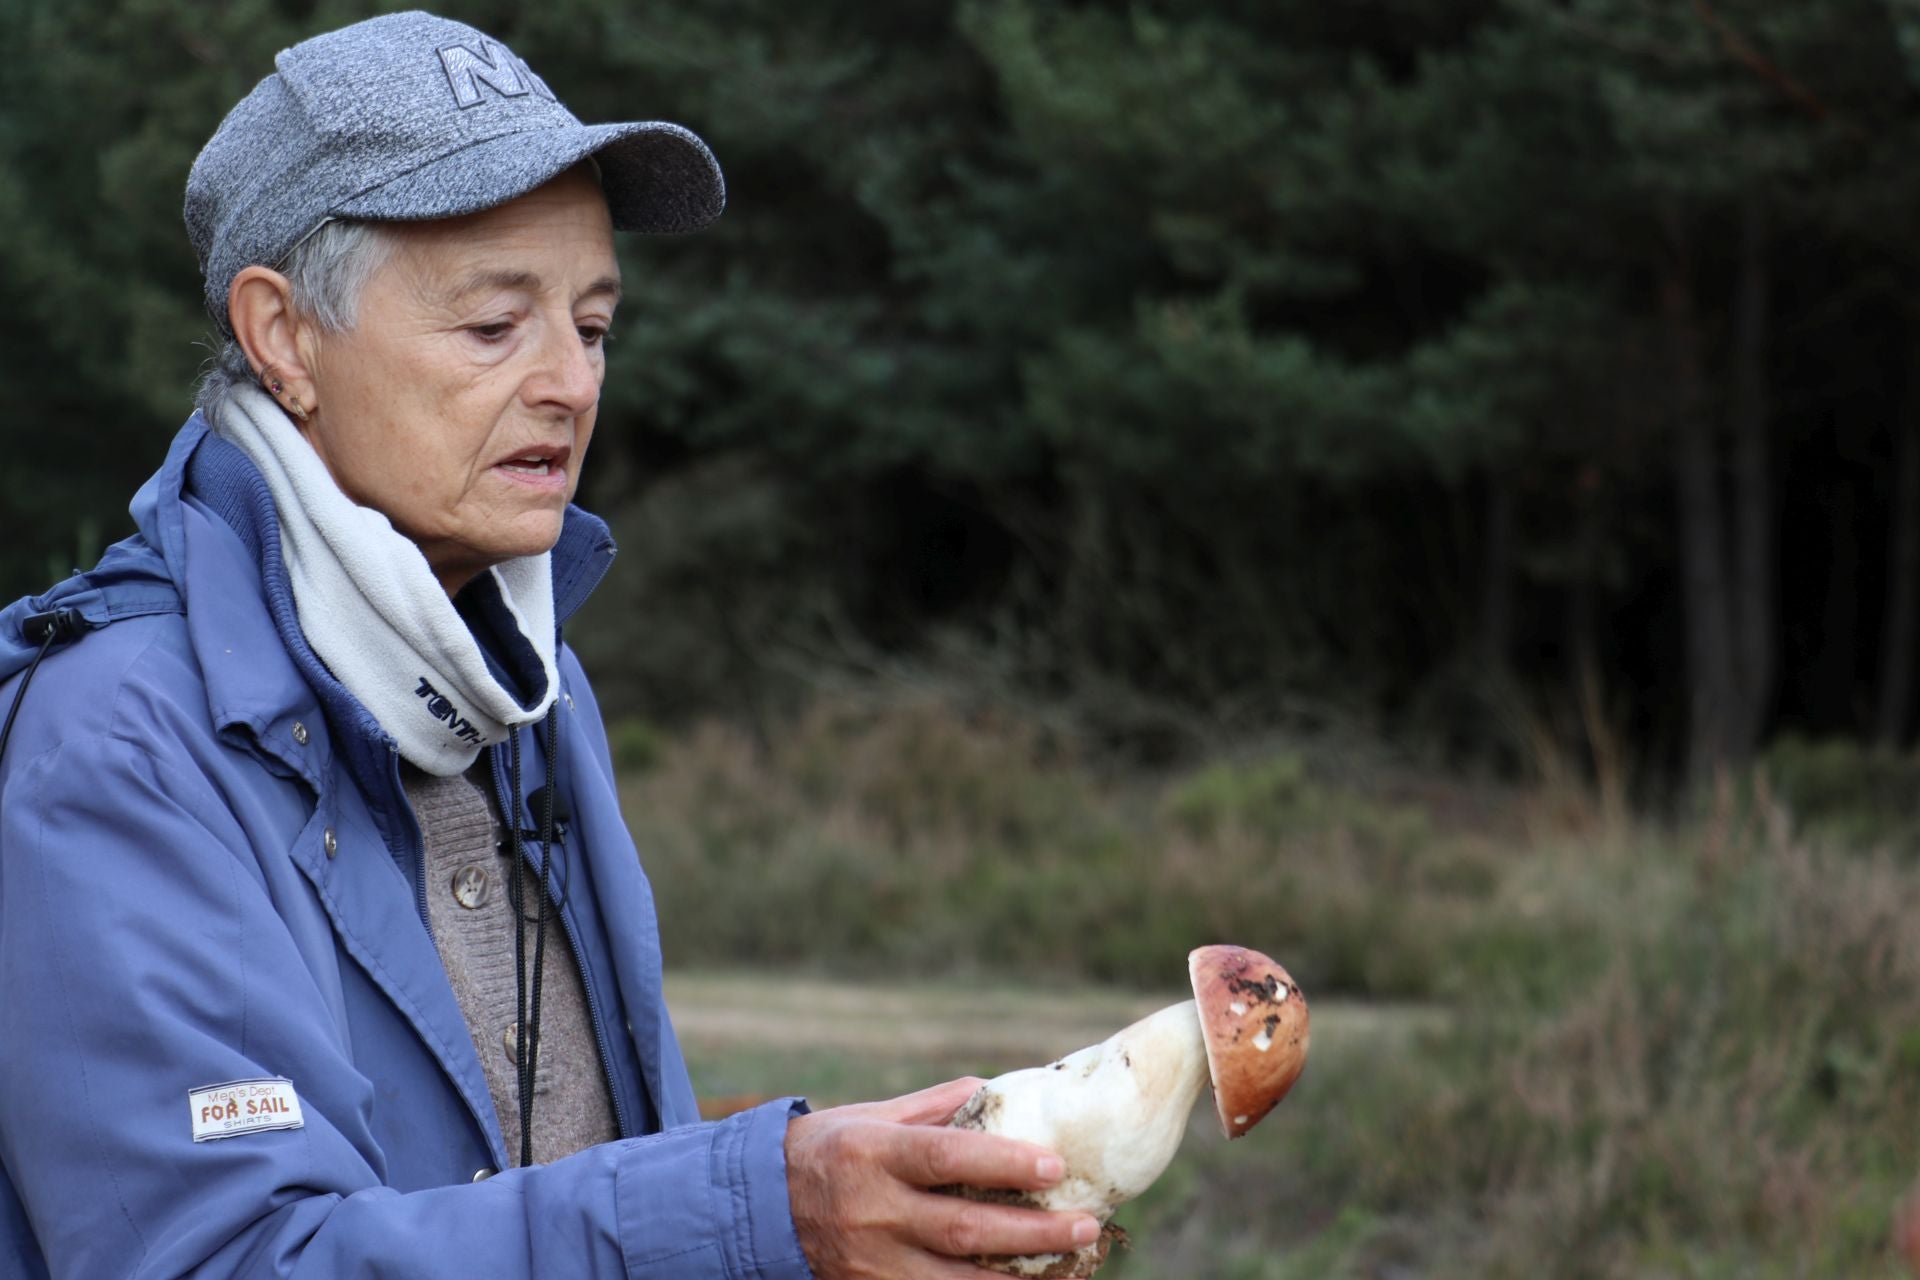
x: 1254, y: 1021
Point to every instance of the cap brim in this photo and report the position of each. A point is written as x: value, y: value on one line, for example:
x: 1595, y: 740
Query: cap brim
x: 658, y: 177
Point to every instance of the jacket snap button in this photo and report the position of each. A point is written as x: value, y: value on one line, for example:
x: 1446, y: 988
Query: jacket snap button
x: 328, y: 843
x: 481, y: 1175
x: 568, y: 699
x: 300, y: 733
x: 470, y: 885
x: 510, y: 1040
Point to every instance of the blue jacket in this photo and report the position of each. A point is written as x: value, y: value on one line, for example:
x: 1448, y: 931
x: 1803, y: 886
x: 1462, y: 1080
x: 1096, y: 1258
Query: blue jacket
x: 209, y: 873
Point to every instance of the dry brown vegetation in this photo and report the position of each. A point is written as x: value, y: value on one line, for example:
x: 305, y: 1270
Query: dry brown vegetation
x: 1663, y: 1049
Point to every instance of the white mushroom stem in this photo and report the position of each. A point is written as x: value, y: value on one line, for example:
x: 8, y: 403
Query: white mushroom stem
x: 1115, y: 1111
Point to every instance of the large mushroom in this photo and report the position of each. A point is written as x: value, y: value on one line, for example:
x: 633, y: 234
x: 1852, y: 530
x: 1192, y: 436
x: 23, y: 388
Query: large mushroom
x: 1116, y: 1111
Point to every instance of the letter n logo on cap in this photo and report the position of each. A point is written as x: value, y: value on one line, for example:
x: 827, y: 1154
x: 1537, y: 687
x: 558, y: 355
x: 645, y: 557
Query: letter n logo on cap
x: 495, y: 66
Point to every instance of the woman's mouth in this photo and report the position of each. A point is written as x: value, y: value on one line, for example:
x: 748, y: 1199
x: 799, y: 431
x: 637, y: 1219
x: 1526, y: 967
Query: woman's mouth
x: 542, y: 468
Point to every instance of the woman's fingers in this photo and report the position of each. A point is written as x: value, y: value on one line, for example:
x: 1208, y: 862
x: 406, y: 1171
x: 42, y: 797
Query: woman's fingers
x: 937, y: 1157
x: 857, y: 1179
x: 962, y: 1228
x: 953, y: 1269
x: 935, y: 1105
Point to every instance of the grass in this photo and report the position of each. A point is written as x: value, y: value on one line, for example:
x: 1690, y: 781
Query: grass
x: 1686, y: 1050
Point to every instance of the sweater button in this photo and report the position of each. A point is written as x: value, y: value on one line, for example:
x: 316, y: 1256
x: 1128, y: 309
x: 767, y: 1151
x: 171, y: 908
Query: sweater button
x: 328, y: 843
x: 481, y: 1175
x: 470, y: 886
x: 300, y: 733
x: 510, y: 1041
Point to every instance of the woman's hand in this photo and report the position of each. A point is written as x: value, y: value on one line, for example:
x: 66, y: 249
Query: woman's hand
x: 858, y: 1179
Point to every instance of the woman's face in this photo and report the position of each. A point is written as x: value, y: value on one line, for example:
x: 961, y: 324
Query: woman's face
x: 461, y: 403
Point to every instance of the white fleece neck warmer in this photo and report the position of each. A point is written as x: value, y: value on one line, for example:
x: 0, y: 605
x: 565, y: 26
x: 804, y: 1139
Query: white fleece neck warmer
x: 375, y: 614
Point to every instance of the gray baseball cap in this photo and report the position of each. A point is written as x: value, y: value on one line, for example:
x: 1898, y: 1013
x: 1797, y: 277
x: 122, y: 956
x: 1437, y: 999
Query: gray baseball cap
x: 411, y: 116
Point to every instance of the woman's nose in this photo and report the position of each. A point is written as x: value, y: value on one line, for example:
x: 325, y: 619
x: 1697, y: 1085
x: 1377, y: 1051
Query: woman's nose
x: 569, y: 372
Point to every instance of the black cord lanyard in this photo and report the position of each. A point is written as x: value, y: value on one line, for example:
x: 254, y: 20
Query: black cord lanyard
x: 527, y: 1001
x: 49, y: 629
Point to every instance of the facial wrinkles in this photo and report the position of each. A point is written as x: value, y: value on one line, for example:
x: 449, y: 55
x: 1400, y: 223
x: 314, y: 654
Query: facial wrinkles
x: 538, y: 369
x: 425, y: 408
x: 537, y: 318
x: 510, y: 281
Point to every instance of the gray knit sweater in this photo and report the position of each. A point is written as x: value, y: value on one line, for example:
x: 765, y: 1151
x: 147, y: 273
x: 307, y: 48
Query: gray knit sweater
x: 467, y: 868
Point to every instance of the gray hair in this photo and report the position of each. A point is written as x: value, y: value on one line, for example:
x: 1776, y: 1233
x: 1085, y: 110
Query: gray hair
x: 327, y: 272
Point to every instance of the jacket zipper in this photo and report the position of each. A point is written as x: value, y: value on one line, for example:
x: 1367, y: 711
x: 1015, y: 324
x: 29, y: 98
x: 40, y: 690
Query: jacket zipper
x: 513, y: 813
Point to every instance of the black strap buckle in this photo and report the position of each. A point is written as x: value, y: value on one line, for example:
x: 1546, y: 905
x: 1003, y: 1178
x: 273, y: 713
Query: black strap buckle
x: 56, y: 626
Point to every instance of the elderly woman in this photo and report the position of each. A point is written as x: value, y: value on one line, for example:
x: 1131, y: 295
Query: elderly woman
x: 325, y: 949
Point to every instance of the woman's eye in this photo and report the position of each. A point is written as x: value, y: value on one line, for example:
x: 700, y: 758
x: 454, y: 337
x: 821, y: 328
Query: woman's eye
x: 595, y: 335
x: 494, y: 332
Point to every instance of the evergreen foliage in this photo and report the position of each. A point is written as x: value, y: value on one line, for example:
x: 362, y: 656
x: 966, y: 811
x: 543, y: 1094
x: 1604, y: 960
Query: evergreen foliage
x: 1218, y: 360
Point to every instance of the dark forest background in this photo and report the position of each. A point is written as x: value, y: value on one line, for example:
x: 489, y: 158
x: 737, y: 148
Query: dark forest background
x: 1468, y: 369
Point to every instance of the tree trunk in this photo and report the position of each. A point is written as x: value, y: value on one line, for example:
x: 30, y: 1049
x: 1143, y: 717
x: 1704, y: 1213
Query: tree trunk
x: 1755, y: 640
x: 1898, y: 630
x: 1834, y: 669
x: 1582, y: 620
x: 1496, y: 601
x: 1707, y: 593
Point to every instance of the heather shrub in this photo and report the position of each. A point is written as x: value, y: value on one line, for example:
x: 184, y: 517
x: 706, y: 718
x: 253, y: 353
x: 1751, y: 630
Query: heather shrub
x: 1845, y: 791
x: 1737, y: 1083
x: 1643, y: 1049
x: 924, y: 840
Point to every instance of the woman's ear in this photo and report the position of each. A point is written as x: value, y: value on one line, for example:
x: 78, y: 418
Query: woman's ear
x: 260, y: 308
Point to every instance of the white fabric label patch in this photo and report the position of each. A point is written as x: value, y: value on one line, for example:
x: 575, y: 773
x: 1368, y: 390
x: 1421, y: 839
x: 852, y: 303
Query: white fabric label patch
x: 244, y: 1106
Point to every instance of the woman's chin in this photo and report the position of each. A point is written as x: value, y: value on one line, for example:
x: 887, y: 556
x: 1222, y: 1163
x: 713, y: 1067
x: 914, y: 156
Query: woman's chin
x: 532, y: 538
x: 508, y: 537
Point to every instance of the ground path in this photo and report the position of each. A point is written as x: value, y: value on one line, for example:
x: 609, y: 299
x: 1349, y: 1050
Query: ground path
x: 751, y: 1035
